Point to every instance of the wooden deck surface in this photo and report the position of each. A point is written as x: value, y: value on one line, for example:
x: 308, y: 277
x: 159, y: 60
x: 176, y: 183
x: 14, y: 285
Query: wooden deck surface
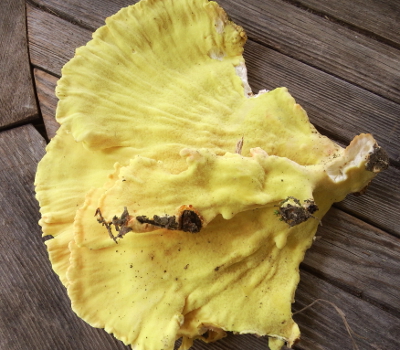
x: 340, y: 60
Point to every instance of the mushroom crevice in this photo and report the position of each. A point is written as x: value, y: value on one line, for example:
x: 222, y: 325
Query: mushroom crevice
x: 174, y: 193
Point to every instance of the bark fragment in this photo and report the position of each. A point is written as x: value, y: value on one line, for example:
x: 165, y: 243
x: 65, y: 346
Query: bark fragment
x: 378, y: 160
x: 120, y: 224
x: 293, y: 212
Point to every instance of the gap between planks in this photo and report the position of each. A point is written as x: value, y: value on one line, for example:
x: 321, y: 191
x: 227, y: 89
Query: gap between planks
x: 33, y: 302
x: 17, y: 98
x: 378, y: 19
x: 320, y: 43
x: 290, y: 30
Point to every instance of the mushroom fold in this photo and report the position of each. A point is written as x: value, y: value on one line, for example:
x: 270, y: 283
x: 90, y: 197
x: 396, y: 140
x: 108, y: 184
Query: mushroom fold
x: 174, y: 193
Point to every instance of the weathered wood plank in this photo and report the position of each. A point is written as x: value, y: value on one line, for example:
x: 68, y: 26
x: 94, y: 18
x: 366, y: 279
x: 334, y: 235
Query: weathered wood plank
x: 320, y: 43
x: 323, y: 328
x: 35, y: 311
x: 45, y: 89
x: 380, y: 205
x: 84, y: 13
x: 295, y: 32
x: 380, y: 17
x: 344, y: 243
x: 17, y: 98
x: 52, y: 41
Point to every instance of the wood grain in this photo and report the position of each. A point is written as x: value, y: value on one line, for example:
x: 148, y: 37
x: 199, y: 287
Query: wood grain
x: 320, y: 43
x: 35, y: 311
x: 379, y: 17
x: 17, y: 98
x: 52, y: 41
x: 323, y: 328
x: 380, y: 205
x: 45, y: 89
x: 288, y: 29
x: 345, y: 242
x: 83, y: 13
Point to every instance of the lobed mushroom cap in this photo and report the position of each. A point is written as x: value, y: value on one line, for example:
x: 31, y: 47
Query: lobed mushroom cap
x: 158, y: 121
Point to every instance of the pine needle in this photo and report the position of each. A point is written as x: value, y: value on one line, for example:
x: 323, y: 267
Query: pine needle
x: 342, y: 315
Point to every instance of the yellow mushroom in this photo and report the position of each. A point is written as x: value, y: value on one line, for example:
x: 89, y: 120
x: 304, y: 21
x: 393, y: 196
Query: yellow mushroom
x: 174, y: 193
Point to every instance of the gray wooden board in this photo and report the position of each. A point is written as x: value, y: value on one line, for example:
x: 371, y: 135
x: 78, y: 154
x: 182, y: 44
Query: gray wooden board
x: 323, y: 328
x: 52, y: 40
x: 344, y: 243
x: 380, y: 205
x: 83, y: 13
x: 45, y: 89
x: 380, y: 17
x: 330, y: 102
x: 321, y: 43
x: 293, y: 31
x: 17, y: 98
x: 34, y: 310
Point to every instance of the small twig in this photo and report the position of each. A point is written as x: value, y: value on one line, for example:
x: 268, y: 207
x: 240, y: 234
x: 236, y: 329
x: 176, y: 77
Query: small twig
x: 103, y: 222
x: 341, y: 314
x: 120, y: 224
x: 239, y: 146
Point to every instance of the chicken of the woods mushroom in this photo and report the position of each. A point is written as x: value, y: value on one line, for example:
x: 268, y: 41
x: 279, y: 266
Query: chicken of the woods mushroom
x: 176, y: 194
